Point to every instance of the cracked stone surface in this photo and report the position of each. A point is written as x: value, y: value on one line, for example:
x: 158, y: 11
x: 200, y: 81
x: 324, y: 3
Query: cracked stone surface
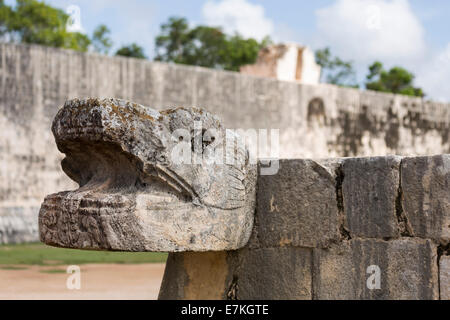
x: 407, y: 270
x: 426, y: 198
x: 370, y: 188
x: 133, y: 194
x: 301, y: 202
x: 300, y: 246
x: 266, y: 273
x: 444, y: 277
x: 276, y: 273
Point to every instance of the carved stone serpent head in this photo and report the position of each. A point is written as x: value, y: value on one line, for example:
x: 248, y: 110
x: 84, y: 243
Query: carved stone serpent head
x: 147, y: 181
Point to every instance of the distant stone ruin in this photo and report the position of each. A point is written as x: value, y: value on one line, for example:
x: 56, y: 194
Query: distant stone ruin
x: 288, y: 62
x: 353, y: 228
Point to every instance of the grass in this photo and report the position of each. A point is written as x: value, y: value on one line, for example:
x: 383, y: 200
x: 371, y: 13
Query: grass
x: 43, y: 255
x: 12, y: 267
x: 53, y: 271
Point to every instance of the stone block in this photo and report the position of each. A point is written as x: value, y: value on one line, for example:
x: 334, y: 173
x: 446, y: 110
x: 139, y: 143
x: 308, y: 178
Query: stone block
x: 298, y: 206
x: 407, y: 269
x: 426, y: 197
x: 444, y: 277
x: 274, y: 274
x: 370, y: 188
x: 195, y: 276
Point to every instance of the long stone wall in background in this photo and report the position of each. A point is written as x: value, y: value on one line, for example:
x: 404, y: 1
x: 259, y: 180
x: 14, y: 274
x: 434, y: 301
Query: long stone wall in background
x: 314, y: 121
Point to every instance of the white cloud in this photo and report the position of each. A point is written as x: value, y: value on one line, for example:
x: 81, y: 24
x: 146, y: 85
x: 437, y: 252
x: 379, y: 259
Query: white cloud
x: 388, y: 31
x: 370, y: 29
x: 238, y: 16
x: 434, y: 75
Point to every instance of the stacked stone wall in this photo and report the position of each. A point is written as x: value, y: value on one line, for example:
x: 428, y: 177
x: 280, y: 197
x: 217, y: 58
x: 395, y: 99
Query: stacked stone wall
x: 354, y: 228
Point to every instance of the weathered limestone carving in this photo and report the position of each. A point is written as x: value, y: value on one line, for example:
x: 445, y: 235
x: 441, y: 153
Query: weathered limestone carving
x: 135, y: 194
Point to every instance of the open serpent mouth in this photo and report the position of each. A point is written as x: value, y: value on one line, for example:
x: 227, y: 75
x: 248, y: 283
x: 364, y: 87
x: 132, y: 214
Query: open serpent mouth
x: 113, y: 188
x: 130, y: 198
x: 105, y: 169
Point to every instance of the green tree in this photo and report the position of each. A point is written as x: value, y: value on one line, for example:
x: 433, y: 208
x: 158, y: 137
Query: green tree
x: 173, y: 38
x: 6, y: 14
x: 31, y: 21
x: 133, y: 50
x: 101, y: 40
x: 335, y: 70
x: 396, y: 80
x: 204, y: 46
x: 240, y: 51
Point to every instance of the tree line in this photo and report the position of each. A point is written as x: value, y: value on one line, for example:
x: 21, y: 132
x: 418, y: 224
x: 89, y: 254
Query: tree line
x: 35, y: 22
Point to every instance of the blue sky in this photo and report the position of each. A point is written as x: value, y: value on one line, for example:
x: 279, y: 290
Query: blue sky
x: 411, y: 33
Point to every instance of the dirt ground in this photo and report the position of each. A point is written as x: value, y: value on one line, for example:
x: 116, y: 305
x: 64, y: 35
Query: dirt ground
x: 98, y: 281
